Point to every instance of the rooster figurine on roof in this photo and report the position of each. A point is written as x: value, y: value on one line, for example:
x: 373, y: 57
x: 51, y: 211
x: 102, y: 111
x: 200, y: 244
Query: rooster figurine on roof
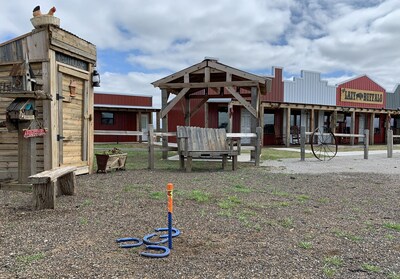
x: 37, y: 12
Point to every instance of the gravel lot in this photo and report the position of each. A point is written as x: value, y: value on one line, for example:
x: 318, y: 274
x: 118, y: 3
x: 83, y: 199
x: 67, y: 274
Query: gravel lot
x: 276, y: 221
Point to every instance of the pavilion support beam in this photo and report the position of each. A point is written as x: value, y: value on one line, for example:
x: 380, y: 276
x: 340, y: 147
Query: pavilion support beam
x: 242, y: 101
x: 206, y: 115
x: 254, y: 118
x: 230, y: 115
x: 187, y: 111
x: 164, y: 121
x: 171, y: 104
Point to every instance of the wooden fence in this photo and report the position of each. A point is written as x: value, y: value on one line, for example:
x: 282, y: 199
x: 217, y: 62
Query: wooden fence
x: 303, y: 135
x: 153, y: 141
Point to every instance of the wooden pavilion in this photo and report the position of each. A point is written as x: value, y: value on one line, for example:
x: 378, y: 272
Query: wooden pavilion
x: 211, y: 79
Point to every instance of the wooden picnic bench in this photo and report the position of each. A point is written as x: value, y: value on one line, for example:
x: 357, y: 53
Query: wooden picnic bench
x: 204, y: 143
x: 48, y: 184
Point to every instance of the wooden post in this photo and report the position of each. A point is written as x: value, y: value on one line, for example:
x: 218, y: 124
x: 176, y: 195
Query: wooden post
x: 164, y: 99
x: 44, y: 195
x: 26, y: 154
x: 288, y: 112
x: 230, y: 115
x: 139, y: 124
x: 150, y: 141
x: 187, y: 110
x: 312, y: 124
x: 371, y: 126
x: 366, y: 143
x: 353, y: 126
x: 302, y: 143
x: 206, y: 115
x: 66, y: 184
x: 258, y: 146
x: 254, y: 120
x: 389, y: 143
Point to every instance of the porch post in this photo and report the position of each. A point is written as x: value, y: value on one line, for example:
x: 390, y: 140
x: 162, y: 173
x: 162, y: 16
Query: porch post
x: 164, y: 121
x: 287, y: 136
x: 353, y: 126
x: 371, y: 128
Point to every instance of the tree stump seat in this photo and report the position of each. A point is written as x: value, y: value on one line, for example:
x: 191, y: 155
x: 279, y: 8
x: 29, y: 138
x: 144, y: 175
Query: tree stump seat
x: 48, y: 184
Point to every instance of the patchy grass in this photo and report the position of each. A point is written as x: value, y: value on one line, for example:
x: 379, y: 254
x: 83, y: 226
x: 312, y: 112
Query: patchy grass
x: 229, y: 203
x: 199, y: 196
x: 302, y: 198
x: 286, y: 222
x: 392, y: 226
x: 394, y: 275
x: 370, y: 268
x: 347, y: 235
x: 241, y: 188
x: 29, y: 259
x: 158, y: 195
x: 280, y: 193
x: 334, y: 261
x: 305, y: 245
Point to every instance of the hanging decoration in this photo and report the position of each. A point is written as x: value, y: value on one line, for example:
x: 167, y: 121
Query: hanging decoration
x: 32, y: 131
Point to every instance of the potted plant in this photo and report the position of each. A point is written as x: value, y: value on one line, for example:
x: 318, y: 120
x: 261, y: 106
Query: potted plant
x: 112, y: 159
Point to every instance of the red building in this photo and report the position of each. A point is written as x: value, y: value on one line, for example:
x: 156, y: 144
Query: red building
x: 118, y: 112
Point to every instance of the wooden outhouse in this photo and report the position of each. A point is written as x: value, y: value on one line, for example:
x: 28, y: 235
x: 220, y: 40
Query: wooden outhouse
x: 46, y: 102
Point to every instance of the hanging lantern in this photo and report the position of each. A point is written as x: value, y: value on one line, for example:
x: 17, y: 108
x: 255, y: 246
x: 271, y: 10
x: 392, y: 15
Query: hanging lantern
x: 95, y: 78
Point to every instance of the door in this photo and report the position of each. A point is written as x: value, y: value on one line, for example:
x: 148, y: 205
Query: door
x: 73, y: 120
x: 245, y: 124
x: 144, y: 123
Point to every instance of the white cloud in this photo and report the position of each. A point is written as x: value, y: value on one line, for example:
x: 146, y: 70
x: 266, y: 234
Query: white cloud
x: 356, y: 36
x: 131, y: 83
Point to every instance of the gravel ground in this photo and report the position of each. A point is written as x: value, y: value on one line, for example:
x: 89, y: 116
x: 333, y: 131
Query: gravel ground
x: 276, y: 221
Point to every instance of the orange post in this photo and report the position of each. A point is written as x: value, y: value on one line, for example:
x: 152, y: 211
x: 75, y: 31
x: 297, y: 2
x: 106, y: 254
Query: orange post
x: 170, y: 190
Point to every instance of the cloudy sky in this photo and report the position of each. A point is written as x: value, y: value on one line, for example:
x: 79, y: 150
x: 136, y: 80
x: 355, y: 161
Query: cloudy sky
x: 139, y: 42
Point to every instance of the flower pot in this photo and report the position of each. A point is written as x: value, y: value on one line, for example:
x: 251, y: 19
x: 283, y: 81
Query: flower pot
x: 107, y: 162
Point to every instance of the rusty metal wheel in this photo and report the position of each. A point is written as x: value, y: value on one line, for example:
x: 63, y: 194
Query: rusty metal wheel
x: 324, y: 144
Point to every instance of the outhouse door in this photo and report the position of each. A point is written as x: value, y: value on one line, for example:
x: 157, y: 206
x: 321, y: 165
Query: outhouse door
x: 73, y: 105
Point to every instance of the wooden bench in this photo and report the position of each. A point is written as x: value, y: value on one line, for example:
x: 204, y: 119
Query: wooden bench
x: 204, y: 143
x: 51, y: 183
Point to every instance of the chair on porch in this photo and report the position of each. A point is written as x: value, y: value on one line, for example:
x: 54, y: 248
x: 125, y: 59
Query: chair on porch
x: 295, y: 134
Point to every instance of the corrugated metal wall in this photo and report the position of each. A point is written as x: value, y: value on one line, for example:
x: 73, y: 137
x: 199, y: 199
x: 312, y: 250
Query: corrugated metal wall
x: 122, y: 100
x: 393, y: 99
x: 361, y: 83
x: 309, y: 89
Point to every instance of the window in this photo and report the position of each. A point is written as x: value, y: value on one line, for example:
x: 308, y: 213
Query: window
x: 223, y: 117
x: 107, y: 118
x: 269, y: 121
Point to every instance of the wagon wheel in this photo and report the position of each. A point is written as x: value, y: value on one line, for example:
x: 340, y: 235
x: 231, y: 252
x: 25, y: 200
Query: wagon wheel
x: 323, y: 145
